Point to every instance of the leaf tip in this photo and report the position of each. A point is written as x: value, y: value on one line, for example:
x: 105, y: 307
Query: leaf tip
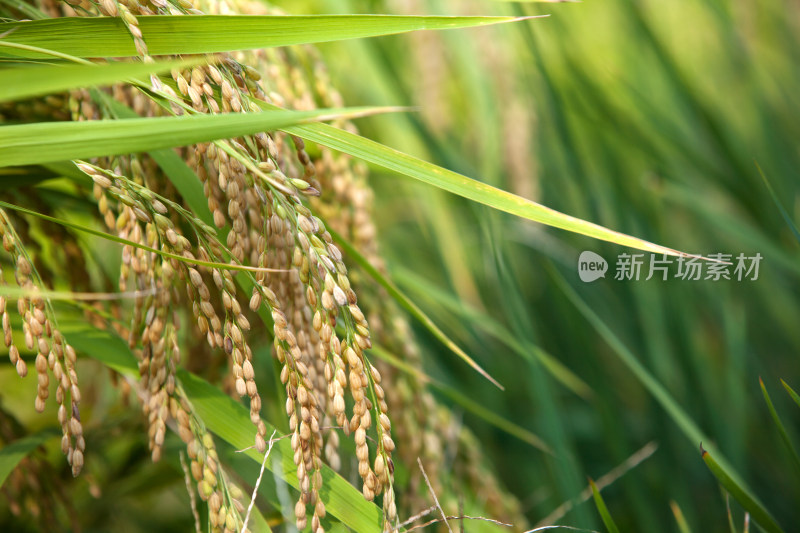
x: 529, y: 17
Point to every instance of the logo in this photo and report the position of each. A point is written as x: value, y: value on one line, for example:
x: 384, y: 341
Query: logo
x: 591, y: 266
x: 639, y: 266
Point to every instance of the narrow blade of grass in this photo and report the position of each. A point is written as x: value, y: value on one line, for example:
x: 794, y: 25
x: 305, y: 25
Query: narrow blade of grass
x: 602, y: 509
x: 749, y: 502
x: 490, y: 326
x: 455, y: 183
x: 409, y: 305
x: 791, y: 392
x: 781, y: 428
x: 731, y: 525
x: 21, y: 83
x: 465, y: 402
x: 680, y: 520
x: 779, y: 205
x: 204, y: 34
x: 28, y: 144
x: 12, y: 454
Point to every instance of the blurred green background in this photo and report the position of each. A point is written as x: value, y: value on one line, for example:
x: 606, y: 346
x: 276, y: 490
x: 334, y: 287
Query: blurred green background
x: 647, y: 117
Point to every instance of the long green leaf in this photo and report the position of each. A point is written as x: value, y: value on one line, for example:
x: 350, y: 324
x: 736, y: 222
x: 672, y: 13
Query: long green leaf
x: 602, y: 509
x: 21, y: 83
x: 39, y: 143
x: 791, y: 392
x: 12, y: 454
x: 680, y: 520
x: 231, y: 422
x: 203, y: 34
x: 408, y: 305
x: 490, y: 326
x: 742, y: 495
x: 781, y: 429
x: 786, y: 216
x: 462, y: 400
x: 455, y: 183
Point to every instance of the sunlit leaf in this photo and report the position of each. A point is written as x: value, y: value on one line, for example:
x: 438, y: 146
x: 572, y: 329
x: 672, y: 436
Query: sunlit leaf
x: 28, y: 82
x: 455, y: 183
x: 203, y: 34
x: 28, y: 144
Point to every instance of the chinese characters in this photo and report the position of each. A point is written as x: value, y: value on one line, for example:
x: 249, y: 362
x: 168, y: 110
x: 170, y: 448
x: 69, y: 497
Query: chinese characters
x: 716, y: 267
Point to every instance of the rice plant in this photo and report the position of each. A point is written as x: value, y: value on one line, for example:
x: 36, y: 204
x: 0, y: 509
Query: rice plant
x: 224, y: 288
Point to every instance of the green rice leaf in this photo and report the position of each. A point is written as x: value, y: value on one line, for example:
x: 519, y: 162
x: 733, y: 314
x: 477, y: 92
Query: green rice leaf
x: 781, y: 428
x: 490, y: 326
x: 204, y: 34
x: 786, y: 216
x: 22, y: 83
x: 12, y: 454
x: 680, y: 520
x: 742, y: 495
x: 602, y: 509
x: 28, y: 144
x: 455, y: 183
x: 791, y: 392
x: 464, y: 401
